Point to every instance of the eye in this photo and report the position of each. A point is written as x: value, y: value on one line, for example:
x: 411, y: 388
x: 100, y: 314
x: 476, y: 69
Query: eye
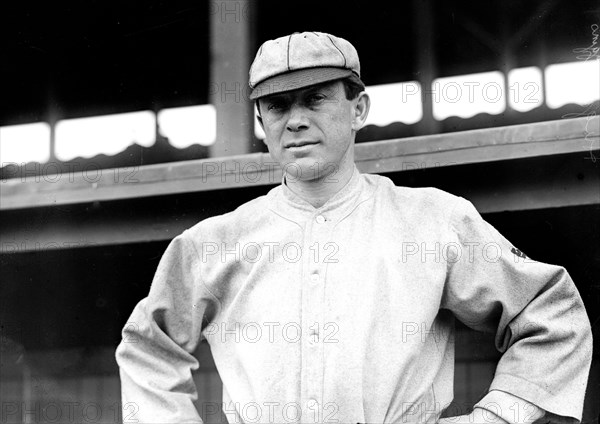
x: 276, y: 105
x: 315, y: 98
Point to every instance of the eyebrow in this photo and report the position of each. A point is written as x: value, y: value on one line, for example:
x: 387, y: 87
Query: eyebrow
x: 278, y: 96
x: 328, y: 86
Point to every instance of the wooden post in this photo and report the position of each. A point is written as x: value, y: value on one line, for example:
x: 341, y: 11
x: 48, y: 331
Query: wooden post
x: 507, y: 61
x: 426, y: 62
x: 230, y: 57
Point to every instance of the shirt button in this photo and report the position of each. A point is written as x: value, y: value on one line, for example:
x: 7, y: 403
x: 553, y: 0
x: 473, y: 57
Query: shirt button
x: 312, y: 403
x: 320, y: 219
x: 314, y: 278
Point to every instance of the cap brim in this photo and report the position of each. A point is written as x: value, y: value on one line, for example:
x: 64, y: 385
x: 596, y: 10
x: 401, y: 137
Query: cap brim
x: 294, y: 80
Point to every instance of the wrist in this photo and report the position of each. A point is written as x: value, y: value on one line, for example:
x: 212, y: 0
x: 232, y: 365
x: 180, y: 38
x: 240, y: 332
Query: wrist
x: 482, y: 415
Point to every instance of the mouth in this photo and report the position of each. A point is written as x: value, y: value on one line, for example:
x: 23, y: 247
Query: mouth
x: 300, y: 144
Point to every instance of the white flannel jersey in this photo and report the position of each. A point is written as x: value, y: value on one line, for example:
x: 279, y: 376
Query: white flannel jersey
x: 345, y: 313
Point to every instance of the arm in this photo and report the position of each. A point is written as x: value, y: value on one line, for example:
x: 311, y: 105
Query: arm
x: 156, y: 354
x: 533, y: 308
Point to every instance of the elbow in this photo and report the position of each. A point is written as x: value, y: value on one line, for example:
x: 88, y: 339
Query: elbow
x: 121, y: 353
x: 581, y: 333
x: 130, y: 336
x: 588, y: 342
x: 577, y: 323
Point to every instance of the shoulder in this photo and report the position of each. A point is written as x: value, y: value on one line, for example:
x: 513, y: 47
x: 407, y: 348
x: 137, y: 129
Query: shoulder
x: 421, y: 198
x: 232, y: 224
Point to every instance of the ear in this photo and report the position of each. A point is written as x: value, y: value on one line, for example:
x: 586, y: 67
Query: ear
x: 262, y: 125
x: 361, y: 107
x: 258, y: 115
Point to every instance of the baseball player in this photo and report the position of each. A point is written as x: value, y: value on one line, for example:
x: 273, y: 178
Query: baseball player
x: 333, y: 297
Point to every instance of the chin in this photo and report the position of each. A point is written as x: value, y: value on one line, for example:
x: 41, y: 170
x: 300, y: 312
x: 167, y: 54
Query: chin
x: 305, y: 168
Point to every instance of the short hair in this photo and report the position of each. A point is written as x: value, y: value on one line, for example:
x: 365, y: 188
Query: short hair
x: 352, y: 88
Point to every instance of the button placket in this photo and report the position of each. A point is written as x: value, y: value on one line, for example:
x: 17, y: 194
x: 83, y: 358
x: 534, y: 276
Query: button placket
x: 313, y: 293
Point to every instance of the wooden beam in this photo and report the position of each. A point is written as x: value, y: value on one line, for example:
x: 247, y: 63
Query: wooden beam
x: 258, y: 169
x: 524, y: 184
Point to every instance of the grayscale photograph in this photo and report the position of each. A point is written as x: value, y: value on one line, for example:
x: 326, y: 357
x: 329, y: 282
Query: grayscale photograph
x: 300, y: 212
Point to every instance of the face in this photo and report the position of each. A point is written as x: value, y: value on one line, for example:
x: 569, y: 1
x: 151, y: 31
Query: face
x: 310, y: 131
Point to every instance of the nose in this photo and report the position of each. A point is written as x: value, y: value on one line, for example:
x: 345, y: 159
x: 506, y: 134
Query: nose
x: 297, y: 120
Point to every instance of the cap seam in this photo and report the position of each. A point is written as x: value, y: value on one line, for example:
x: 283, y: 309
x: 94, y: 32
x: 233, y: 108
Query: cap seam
x: 288, y: 52
x: 338, y: 49
x: 252, y: 67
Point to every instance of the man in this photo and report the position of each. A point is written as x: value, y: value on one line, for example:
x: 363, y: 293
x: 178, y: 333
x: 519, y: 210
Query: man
x: 310, y: 296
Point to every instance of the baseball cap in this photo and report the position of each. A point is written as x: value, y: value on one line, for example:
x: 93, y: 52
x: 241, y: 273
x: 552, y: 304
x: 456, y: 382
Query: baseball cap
x: 299, y: 60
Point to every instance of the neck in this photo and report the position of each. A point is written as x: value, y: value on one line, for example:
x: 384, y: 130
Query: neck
x: 319, y: 190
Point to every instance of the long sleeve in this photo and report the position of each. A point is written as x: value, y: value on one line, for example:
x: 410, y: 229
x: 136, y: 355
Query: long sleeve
x: 156, y: 354
x: 534, y: 309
